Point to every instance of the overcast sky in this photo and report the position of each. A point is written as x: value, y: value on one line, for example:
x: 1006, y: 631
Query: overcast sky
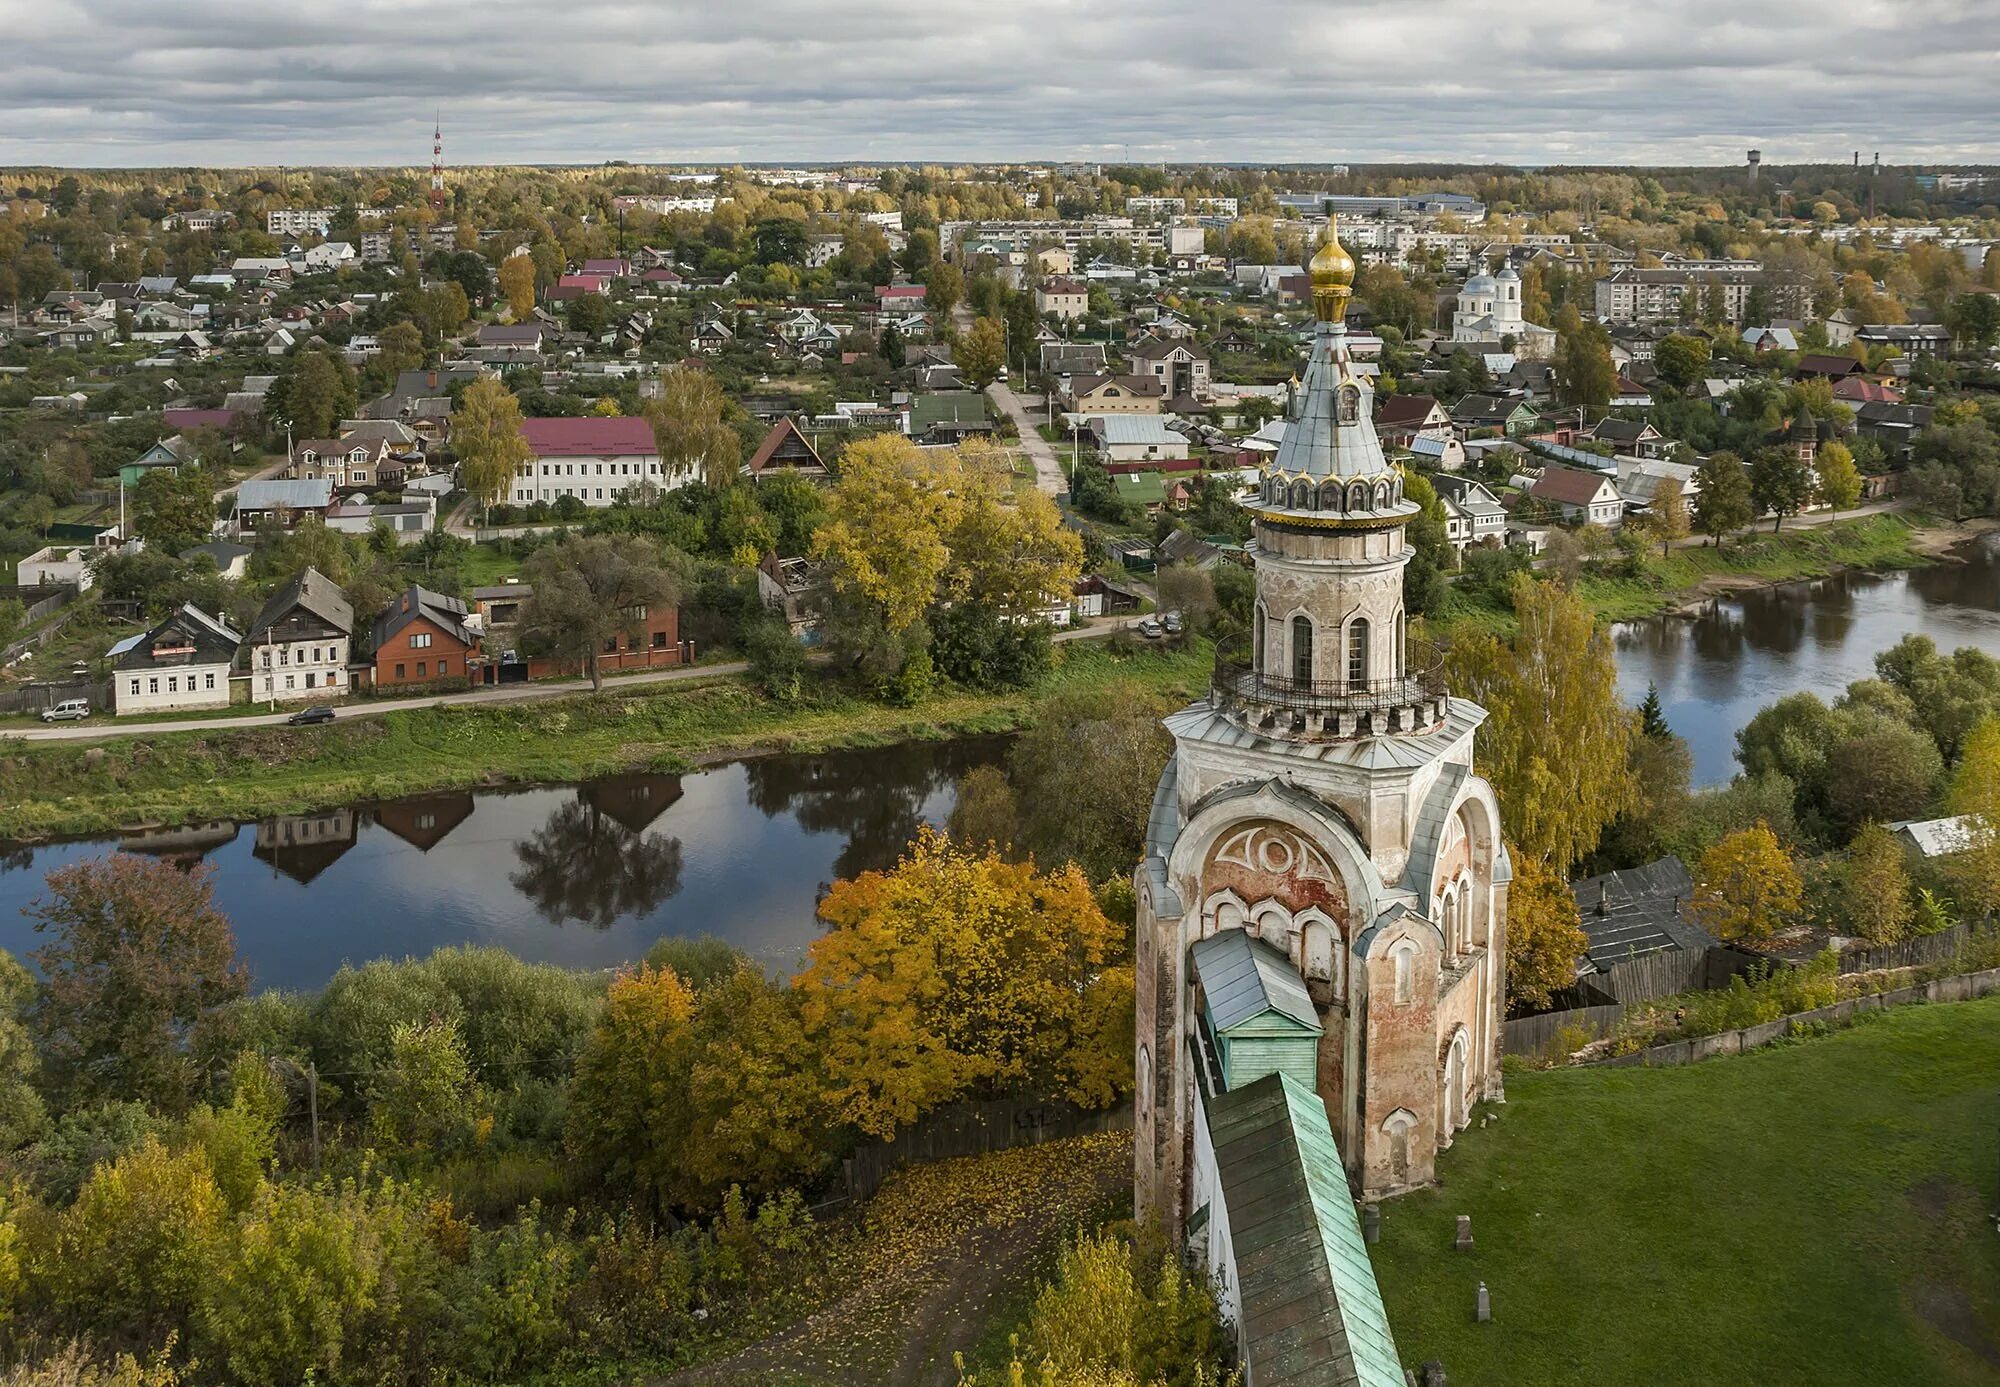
x: 150, y: 82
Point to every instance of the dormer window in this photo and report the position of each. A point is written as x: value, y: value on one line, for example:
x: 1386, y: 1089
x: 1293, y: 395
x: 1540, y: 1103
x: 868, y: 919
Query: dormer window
x: 1349, y: 405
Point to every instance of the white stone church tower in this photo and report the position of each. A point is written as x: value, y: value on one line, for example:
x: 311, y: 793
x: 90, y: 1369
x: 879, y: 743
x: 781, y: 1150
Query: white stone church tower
x: 1323, y: 800
x: 1489, y: 313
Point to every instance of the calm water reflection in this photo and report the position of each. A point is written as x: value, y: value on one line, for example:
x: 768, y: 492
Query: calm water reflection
x: 586, y: 876
x: 590, y: 875
x: 1717, y: 670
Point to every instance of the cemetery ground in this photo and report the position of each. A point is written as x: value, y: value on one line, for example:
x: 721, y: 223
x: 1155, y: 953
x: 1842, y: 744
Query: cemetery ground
x: 1818, y: 1211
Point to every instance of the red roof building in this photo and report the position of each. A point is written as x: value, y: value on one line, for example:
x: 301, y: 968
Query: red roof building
x: 594, y: 459
x: 1855, y: 390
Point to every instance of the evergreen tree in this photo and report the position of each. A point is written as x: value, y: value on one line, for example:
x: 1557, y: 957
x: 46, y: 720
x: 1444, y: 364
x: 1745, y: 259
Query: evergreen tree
x: 1653, y: 718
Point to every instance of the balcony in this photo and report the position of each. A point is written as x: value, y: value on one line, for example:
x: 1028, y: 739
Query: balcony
x: 1332, y: 709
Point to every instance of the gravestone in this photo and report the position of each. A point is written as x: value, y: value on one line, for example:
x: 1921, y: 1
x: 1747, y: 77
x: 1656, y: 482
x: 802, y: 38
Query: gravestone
x: 1371, y: 1223
x: 1485, y: 1308
x: 1464, y: 1241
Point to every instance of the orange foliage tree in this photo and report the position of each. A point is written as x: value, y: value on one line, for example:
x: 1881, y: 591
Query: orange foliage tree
x: 959, y: 973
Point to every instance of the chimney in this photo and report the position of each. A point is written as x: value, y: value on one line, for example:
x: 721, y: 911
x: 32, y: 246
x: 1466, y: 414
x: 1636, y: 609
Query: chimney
x: 433, y: 380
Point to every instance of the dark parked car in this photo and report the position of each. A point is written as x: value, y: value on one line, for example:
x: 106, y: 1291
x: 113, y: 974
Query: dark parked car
x: 306, y: 717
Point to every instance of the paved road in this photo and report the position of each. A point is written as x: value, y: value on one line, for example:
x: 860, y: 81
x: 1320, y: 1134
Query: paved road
x: 1048, y: 472
x: 504, y: 693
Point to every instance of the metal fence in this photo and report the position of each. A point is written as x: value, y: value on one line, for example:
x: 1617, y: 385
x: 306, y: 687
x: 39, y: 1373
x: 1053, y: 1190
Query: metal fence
x: 971, y: 1129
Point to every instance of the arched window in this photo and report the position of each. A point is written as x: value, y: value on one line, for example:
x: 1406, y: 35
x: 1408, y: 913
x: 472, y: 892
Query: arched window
x: 1357, y: 651
x: 1357, y: 496
x: 1274, y: 927
x: 1302, y: 649
x: 1318, y: 950
x: 1402, y: 644
x: 1329, y: 496
x: 1299, y: 493
x: 1349, y: 405
x: 1405, y: 959
x: 1257, y: 639
x: 1145, y: 1074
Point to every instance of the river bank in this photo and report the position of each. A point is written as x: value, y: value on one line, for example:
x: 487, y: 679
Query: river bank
x: 59, y: 789
x: 1680, y: 583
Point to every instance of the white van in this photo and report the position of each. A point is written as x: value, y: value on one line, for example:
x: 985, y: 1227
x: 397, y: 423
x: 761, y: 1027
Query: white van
x: 69, y: 710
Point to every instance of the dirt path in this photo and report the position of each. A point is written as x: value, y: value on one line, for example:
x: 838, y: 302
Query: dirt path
x: 935, y: 1257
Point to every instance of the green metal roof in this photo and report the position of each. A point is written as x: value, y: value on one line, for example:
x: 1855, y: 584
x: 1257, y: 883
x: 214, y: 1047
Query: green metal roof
x: 1310, y: 1311
x: 947, y: 407
x: 1243, y: 979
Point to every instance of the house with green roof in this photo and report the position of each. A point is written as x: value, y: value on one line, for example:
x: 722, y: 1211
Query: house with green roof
x: 1273, y: 1219
x: 948, y: 416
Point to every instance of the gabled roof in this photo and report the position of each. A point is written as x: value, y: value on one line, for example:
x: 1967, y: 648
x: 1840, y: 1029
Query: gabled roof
x: 1569, y: 486
x: 312, y: 592
x: 1243, y: 978
x: 1311, y: 1311
x: 798, y: 450
x: 204, y: 639
x: 1624, y: 430
x: 285, y: 494
x: 1637, y: 911
x: 417, y: 601
x: 1393, y: 410
x: 1825, y: 364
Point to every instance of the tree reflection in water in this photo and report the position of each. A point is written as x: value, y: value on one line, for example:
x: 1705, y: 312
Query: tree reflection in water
x: 875, y: 797
x: 583, y: 864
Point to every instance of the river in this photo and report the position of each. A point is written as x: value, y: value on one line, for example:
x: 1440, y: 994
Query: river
x: 585, y: 876
x: 589, y: 876
x: 1716, y: 669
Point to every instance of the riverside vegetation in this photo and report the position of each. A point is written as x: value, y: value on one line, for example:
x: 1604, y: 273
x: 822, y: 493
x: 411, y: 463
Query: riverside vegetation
x: 467, y: 1168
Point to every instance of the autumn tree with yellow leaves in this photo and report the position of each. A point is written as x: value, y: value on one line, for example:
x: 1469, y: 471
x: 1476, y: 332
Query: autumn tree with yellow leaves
x: 957, y: 973
x: 682, y: 1092
x: 1544, y: 934
x: 914, y: 534
x: 1747, y: 886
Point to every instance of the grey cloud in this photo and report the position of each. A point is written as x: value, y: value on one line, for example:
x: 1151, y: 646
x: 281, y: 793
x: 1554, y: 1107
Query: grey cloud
x: 111, y: 82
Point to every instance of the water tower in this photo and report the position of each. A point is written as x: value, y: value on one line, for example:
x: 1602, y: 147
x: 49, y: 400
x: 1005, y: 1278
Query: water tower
x: 1756, y: 158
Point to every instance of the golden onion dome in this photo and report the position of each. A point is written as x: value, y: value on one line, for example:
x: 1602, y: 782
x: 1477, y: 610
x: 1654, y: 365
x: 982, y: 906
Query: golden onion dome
x: 1332, y: 277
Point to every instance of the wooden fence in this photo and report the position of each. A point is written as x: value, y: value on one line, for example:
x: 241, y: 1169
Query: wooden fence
x: 1925, y: 949
x: 1535, y: 1035
x: 1665, y: 973
x: 971, y: 1129
x: 1961, y: 987
x: 32, y: 698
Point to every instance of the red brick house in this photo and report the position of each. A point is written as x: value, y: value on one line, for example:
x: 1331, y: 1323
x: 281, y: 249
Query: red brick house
x: 423, y: 640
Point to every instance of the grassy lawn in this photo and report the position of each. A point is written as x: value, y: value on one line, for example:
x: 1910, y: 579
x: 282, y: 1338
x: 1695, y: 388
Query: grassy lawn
x: 247, y: 773
x: 1810, y: 1213
x: 486, y: 566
